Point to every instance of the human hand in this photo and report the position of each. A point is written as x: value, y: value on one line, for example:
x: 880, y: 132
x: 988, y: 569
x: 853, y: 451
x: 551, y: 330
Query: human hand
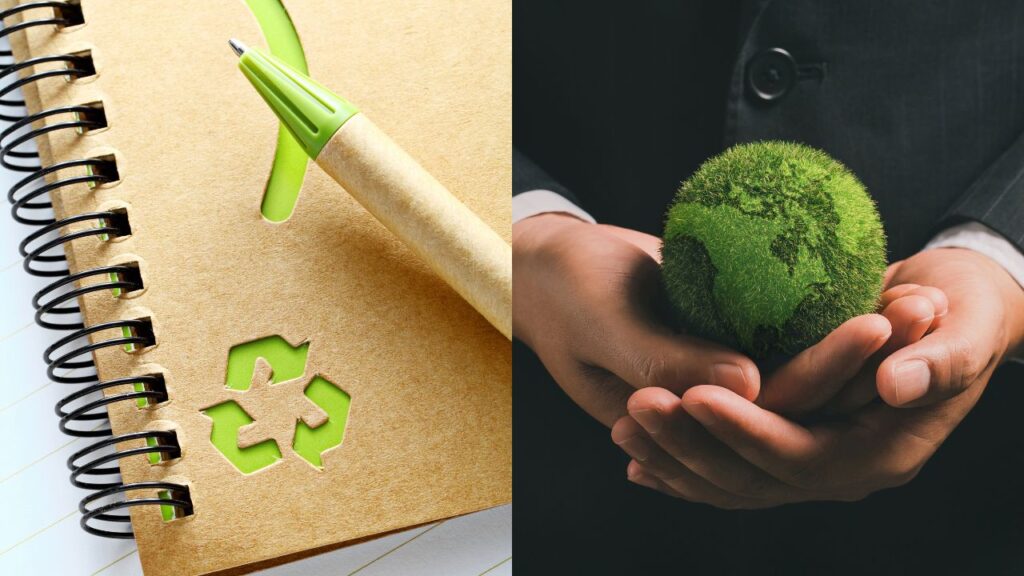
x: 673, y: 453
x: 585, y: 302
x: 715, y: 447
x: 837, y: 375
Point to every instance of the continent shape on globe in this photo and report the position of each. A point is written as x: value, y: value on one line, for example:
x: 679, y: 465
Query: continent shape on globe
x: 765, y: 295
x: 771, y: 245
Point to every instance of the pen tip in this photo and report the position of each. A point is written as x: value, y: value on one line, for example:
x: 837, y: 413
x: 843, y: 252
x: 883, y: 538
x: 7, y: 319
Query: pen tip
x: 237, y: 46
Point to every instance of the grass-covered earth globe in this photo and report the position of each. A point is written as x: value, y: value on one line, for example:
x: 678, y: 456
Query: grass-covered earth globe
x: 770, y: 246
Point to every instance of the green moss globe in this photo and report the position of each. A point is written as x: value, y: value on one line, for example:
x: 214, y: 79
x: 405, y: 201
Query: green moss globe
x: 770, y: 246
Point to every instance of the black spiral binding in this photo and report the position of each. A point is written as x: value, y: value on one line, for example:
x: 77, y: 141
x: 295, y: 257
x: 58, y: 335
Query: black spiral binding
x: 83, y: 412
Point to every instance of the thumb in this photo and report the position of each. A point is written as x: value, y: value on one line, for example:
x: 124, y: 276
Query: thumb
x: 938, y: 367
x: 646, y: 354
x: 815, y: 375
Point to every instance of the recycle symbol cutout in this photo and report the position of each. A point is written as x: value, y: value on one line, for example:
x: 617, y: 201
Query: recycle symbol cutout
x: 276, y: 407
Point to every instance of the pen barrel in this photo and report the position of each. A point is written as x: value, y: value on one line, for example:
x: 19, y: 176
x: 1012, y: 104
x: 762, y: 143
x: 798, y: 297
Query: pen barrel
x: 421, y: 212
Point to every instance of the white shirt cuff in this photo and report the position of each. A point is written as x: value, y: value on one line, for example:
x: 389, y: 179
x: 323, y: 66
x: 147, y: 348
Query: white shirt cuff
x: 982, y: 239
x: 536, y: 202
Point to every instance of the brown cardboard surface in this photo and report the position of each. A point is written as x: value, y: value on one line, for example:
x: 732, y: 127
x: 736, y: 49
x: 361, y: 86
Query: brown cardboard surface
x: 412, y: 204
x: 429, y: 431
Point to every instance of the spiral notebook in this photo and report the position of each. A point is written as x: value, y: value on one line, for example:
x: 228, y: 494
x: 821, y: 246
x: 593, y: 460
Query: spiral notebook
x: 264, y: 372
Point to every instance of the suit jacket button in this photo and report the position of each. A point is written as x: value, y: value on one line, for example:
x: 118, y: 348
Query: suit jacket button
x: 770, y: 74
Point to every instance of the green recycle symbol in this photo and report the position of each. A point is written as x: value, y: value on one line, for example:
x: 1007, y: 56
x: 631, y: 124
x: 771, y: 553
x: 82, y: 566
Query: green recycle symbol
x: 287, y: 363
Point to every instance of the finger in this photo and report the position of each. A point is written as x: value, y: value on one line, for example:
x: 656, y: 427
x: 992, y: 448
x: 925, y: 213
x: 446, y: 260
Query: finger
x: 644, y: 354
x: 942, y: 365
x: 938, y: 298
x: 682, y: 488
x: 685, y: 443
x: 636, y: 474
x: 651, y: 462
x: 774, y: 444
x: 629, y: 436
x: 910, y: 317
x: 893, y: 293
x: 815, y: 375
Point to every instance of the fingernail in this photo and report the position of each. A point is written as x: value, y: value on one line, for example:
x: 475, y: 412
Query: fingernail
x: 636, y: 448
x: 702, y: 413
x: 642, y: 479
x: 649, y: 419
x: 728, y: 376
x: 912, y: 379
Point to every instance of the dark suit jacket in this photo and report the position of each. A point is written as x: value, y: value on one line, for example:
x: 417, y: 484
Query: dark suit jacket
x: 616, y: 103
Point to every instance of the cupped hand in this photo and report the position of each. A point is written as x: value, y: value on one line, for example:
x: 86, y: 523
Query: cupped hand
x: 713, y: 446
x: 838, y: 373
x: 586, y: 299
x: 675, y: 454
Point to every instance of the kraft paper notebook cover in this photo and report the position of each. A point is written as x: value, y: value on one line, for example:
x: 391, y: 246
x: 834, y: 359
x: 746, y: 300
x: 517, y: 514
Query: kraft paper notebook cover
x: 378, y: 398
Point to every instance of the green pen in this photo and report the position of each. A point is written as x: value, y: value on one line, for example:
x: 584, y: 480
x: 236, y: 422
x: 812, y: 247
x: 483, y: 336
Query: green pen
x: 390, y: 184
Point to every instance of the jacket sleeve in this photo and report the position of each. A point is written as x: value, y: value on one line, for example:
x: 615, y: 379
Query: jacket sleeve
x: 535, y: 192
x: 527, y: 176
x: 996, y: 198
